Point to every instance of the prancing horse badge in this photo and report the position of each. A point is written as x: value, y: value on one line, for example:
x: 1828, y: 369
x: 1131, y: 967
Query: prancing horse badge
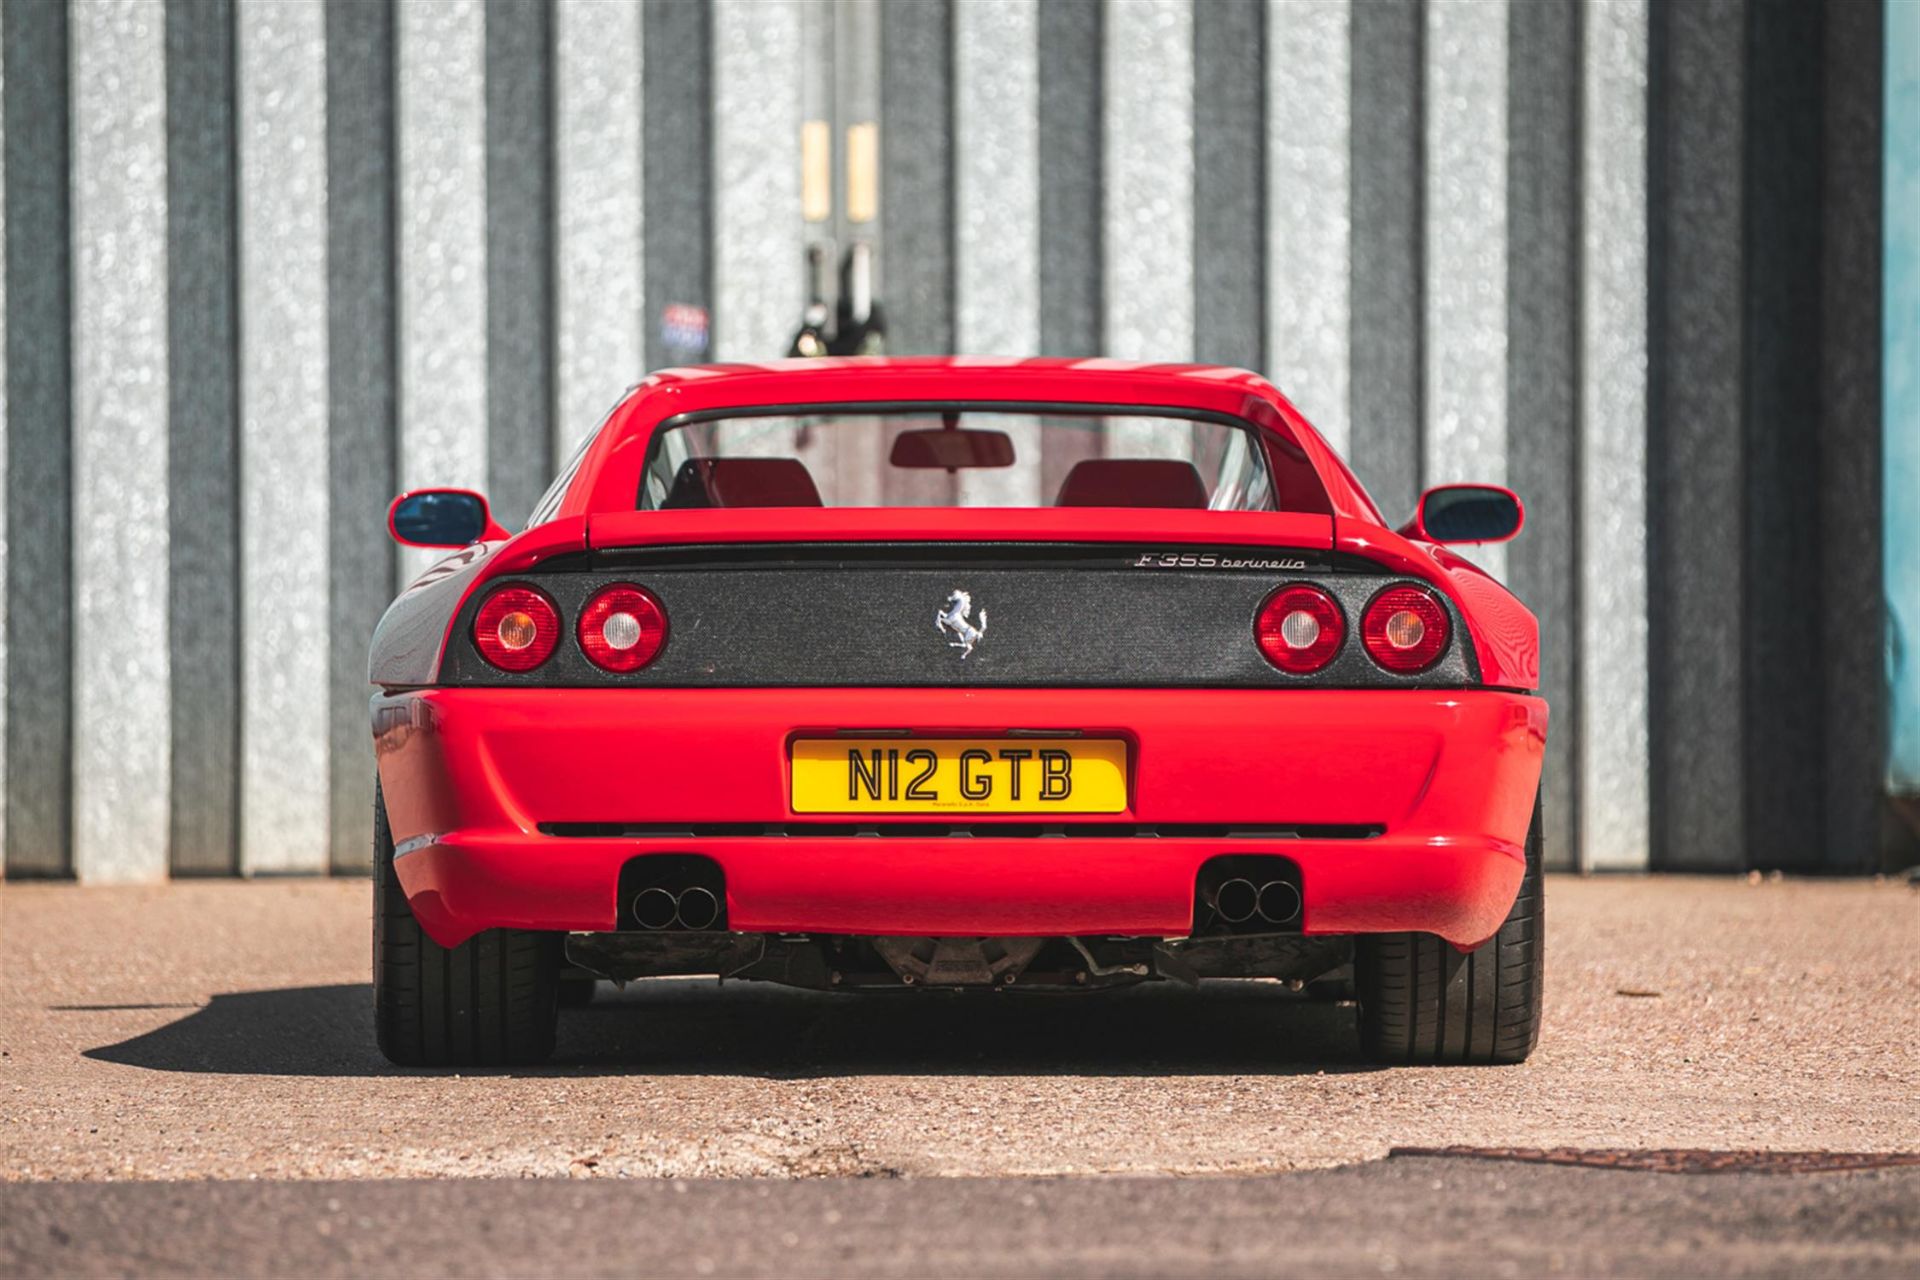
x: 952, y: 620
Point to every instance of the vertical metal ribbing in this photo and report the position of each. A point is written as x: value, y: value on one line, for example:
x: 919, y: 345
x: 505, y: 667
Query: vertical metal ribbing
x: 1072, y: 218
x: 821, y: 158
x: 1148, y: 143
x: 599, y: 291
x: 203, y: 436
x: 1465, y: 204
x: 1692, y: 463
x: 122, y: 674
x: 39, y: 461
x: 1543, y: 335
x: 1148, y: 129
x: 916, y: 175
x: 440, y: 51
x: 1229, y: 183
x: 285, y: 520
x: 1615, y: 436
x: 997, y: 214
x: 758, y: 262
x: 1814, y: 699
x: 519, y: 254
x: 678, y: 161
x: 1785, y: 675
x: 1309, y: 222
x: 1388, y: 70
x: 841, y: 93
x: 1854, y: 594
x: 362, y: 437
x: 997, y: 179
x: 1072, y: 226
x: 5, y: 496
x: 1899, y: 347
x: 856, y: 77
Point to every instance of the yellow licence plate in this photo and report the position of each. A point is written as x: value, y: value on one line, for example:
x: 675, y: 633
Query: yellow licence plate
x: 955, y: 775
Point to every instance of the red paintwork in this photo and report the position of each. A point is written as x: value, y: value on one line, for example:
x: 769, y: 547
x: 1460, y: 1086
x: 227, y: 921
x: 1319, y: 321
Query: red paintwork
x: 469, y: 774
x: 1449, y: 774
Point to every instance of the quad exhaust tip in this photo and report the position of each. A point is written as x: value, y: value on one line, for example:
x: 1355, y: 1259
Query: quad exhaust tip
x: 1279, y: 902
x: 1236, y: 901
x: 655, y: 908
x: 698, y: 908
x: 695, y: 909
x: 1239, y: 900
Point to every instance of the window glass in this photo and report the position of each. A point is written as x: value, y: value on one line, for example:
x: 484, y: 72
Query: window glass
x: 956, y: 459
x: 556, y: 493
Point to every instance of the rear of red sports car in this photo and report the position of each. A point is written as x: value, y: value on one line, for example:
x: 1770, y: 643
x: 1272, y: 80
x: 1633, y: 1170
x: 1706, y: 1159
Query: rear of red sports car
x: 1029, y: 675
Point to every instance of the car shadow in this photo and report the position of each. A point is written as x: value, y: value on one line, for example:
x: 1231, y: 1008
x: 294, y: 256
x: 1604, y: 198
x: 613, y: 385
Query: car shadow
x: 696, y: 1027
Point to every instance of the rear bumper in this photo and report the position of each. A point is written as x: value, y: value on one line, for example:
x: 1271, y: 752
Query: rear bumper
x: 471, y: 776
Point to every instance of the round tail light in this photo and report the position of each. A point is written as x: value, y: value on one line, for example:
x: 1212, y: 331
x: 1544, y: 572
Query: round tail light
x: 622, y: 628
x: 516, y: 628
x: 1300, y: 629
x: 1405, y: 629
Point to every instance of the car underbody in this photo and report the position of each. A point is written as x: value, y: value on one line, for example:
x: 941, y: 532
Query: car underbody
x: 842, y: 962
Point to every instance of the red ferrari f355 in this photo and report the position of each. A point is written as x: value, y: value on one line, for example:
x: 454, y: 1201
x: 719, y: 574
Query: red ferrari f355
x: 1024, y: 674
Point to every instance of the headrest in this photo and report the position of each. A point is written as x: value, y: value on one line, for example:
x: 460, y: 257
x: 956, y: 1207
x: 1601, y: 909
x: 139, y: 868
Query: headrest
x: 741, y: 482
x: 1133, y: 482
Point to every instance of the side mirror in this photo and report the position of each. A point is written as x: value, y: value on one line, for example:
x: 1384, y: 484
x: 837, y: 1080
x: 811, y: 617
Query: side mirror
x: 1466, y: 513
x: 441, y: 518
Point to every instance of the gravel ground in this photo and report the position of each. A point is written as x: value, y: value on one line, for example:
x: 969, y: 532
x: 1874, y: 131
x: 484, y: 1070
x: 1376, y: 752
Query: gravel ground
x: 220, y: 1030
x: 1418, y: 1217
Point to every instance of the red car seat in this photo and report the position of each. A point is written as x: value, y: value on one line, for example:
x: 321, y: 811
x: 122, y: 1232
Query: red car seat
x: 741, y: 482
x: 1133, y: 482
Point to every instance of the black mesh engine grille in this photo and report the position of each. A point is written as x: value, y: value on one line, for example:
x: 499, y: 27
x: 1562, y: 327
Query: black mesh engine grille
x: 1094, y: 618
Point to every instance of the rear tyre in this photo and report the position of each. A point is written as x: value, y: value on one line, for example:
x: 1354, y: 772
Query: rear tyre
x: 1422, y: 1002
x: 491, y: 1001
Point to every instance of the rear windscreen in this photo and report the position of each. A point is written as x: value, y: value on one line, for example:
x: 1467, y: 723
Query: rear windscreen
x: 956, y: 459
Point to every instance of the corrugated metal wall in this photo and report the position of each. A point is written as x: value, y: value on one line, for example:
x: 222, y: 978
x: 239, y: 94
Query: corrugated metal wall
x: 1901, y: 378
x: 269, y: 262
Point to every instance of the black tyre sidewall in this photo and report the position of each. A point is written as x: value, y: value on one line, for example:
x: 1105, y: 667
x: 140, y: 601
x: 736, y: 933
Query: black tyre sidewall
x: 491, y: 1001
x: 1423, y: 1002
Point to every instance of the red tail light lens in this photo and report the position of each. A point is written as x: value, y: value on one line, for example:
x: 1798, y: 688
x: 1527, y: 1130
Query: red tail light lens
x: 1405, y: 629
x: 622, y: 628
x: 1300, y: 629
x: 516, y: 628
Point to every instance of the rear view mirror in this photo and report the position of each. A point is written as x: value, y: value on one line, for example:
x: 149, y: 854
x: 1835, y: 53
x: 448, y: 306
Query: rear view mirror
x: 951, y: 449
x: 441, y: 518
x: 1466, y: 513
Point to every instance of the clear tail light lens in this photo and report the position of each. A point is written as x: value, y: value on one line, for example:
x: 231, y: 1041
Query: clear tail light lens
x: 1300, y: 629
x: 516, y: 628
x: 1405, y: 629
x: 622, y: 628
